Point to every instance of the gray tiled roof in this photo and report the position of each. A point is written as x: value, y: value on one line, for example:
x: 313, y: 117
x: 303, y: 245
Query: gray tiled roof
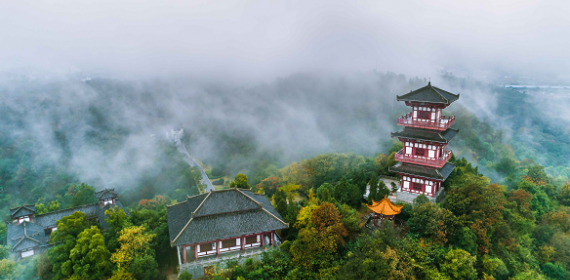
x: 23, y: 210
x: 221, y: 214
x: 429, y: 94
x: 219, y: 203
x: 106, y: 194
x: 423, y: 171
x: 31, y: 234
x: 25, y: 236
x: 49, y: 219
x: 426, y: 135
x: 261, y: 198
x: 227, y: 225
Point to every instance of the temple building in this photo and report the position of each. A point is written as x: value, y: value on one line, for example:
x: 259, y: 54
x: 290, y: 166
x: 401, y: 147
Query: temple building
x: 221, y: 225
x: 28, y: 234
x: 423, y: 162
x: 384, y: 209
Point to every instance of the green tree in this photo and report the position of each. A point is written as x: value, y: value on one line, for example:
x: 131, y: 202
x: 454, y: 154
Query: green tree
x: 465, y: 239
x: 281, y: 202
x: 53, y: 206
x: 135, y: 242
x: 382, y: 190
x: 317, y: 244
x: 341, y: 191
x: 7, y: 269
x: 144, y: 267
x: 360, y: 181
x: 116, y: 219
x: 325, y: 191
x: 41, y: 209
x: 196, y: 174
x: 554, y: 271
x: 458, y: 264
x: 185, y: 276
x: 292, y: 212
x: 122, y: 274
x: 421, y: 199
x: 564, y: 195
x: 373, y: 188
x: 366, y: 260
x: 85, y: 194
x: 90, y: 258
x: 240, y: 181
x: 68, y: 228
x: 424, y: 219
x: 355, y: 197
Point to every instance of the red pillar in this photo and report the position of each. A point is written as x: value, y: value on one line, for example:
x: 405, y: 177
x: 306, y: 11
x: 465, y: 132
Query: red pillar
x: 184, y: 249
x: 262, y: 238
x: 242, y: 244
x: 218, y: 248
x: 196, y: 253
x: 273, y: 238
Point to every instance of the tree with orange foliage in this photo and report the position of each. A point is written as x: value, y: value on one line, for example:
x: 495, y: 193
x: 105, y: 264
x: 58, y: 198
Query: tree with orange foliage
x: 564, y: 195
x: 153, y: 203
x: 317, y: 244
x: 523, y: 200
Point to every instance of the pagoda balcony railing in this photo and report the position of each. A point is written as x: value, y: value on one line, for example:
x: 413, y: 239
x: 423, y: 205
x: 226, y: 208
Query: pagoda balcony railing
x: 442, y: 124
x: 422, y: 160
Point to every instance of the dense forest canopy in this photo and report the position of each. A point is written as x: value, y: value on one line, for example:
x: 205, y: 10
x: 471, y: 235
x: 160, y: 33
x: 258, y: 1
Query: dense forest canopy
x: 311, y: 143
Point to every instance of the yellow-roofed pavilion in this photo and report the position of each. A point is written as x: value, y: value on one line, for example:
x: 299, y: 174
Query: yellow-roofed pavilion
x: 384, y: 209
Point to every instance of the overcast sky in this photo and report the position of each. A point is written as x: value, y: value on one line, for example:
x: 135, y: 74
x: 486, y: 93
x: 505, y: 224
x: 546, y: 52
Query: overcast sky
x: 252, y: 40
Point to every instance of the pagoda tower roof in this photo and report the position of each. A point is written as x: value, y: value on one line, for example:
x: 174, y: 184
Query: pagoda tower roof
x: 385, y: 207
x: 423, y: 171
x: 426, y: 135
x: 429, y: 94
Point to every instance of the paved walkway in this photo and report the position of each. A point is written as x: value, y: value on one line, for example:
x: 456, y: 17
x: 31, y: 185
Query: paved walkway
x: 182, y: 149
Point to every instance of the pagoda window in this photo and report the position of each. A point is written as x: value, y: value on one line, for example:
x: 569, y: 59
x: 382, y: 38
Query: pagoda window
x: 23, y: 219
x: 251, y: 239
x: 428, y: 186
x: 406, y: 185
x: 206, y: 247
x: 424, y: 115
x: 420, y: 152
x: 27, y: 253
x: 229, y: 243
x: 416, y: 186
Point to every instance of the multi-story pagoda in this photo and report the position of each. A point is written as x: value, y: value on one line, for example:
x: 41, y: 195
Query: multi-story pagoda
x: 423, y: 162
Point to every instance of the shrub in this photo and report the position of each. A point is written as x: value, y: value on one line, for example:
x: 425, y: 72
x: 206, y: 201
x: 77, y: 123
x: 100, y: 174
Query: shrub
x: 185, y: 276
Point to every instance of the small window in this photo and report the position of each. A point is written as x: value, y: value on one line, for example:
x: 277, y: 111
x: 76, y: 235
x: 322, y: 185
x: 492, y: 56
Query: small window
x: 420, y: 152
x: 27, y: 253
x: 417, y: 186
x: 424, y: 115
x: 229, y: 243
x: 206, y: 247
x: 251, y: 240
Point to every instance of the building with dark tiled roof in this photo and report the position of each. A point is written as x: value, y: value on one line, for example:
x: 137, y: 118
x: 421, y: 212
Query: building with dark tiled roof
x: 231, y: 222
x: 28, y: 233
x: 423, y: 161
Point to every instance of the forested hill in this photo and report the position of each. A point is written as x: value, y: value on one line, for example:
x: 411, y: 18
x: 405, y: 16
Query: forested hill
x: 307, y: 136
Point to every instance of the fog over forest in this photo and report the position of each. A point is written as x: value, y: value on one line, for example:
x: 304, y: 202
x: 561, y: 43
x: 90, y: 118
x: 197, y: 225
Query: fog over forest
x: 88, y: 83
